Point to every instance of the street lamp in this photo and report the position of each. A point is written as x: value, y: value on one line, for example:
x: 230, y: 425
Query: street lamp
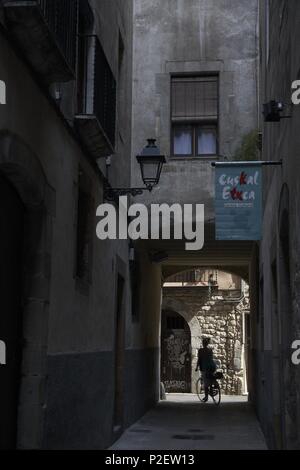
x: 151, y: 163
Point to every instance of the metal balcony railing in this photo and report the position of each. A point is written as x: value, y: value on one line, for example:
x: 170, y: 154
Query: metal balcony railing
x: 46, y: 31
x: 61, y: 17
x: 195, y: 276
x: 97, y: 98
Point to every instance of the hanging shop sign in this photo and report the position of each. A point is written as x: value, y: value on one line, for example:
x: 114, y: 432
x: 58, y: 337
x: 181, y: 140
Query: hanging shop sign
x: 238, y: 200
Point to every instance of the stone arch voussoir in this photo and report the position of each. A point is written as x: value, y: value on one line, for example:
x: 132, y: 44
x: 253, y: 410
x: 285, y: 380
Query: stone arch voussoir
x: 22, y: 168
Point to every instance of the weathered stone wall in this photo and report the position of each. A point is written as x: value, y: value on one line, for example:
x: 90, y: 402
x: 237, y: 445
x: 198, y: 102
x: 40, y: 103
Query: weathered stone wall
x: 220, y: 317
x: 223, y: 323
x: 69, y: 331
x: 277, y: 323
x: 174, y: 37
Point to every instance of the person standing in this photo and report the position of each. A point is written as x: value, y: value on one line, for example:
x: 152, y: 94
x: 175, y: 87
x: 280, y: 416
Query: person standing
x: 206, y: 364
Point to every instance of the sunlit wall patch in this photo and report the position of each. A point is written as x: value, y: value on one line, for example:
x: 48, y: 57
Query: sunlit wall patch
x: 2, y: 353
x: 2, y: 92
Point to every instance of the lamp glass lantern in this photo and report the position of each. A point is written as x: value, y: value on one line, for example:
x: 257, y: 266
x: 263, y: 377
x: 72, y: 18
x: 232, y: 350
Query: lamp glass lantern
x: 151, y: 163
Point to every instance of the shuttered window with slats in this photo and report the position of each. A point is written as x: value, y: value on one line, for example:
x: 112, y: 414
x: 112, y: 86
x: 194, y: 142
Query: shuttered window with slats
x: 194, y: 116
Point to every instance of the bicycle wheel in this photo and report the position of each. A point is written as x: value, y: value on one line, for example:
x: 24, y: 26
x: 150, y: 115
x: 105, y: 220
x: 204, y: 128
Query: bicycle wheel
x: 215, y: 392
x: 200, y: 389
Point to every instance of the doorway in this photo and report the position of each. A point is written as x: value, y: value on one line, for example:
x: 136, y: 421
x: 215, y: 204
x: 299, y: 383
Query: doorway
x: 11, y: 253
x: 175, y: 353
x: 119, y: 356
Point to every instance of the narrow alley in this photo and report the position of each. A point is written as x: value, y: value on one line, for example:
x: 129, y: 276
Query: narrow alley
x: 181, y: 422
x: 149, y: 224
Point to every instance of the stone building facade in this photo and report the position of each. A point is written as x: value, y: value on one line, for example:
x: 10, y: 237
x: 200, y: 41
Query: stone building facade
x: 210, y: 39
x: 179, y: 52
x: 84, y: 316
x: 75, y: 354
x: 277, y: 322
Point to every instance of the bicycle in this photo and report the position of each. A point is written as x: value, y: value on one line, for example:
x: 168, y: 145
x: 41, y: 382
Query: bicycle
x: 213, y: 390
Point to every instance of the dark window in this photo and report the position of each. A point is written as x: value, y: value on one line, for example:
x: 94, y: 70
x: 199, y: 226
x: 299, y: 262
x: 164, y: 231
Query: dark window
x: 135, y: 277
x: 86, y: 18
x: 119, y: 354
x: 96, y: 85
x: 85, y: 28
x: 60, y: 16
x: 175, y: 323
x: 195, y: 116
x: 84, y: 230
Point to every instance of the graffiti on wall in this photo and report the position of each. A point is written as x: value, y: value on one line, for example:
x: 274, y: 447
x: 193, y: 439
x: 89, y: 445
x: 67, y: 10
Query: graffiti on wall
x: 177, y: 347
x: 179, y: 385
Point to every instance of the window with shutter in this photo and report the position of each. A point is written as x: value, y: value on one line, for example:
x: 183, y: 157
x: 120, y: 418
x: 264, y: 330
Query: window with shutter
x: 194, y: 116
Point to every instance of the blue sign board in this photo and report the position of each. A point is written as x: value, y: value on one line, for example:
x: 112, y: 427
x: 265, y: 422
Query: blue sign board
x: 238, y: 201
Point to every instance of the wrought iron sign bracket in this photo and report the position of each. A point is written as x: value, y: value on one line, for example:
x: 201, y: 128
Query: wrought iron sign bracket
x: 238, y: 163
x: 113, y: 194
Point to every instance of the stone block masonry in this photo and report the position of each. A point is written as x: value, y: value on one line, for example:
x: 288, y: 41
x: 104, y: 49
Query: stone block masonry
x: 224, y: 327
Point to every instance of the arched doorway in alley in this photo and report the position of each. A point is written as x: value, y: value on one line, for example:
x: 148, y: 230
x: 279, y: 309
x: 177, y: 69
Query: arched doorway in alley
x: 26, y: 213
x: 11, y: 253
x: 175, y: 353
x: 214, y: 304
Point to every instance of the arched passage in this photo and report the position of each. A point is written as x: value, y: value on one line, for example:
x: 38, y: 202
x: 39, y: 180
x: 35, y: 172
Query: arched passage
x: 30, y: 202
x: 214, y: 303
x: 235, y: 258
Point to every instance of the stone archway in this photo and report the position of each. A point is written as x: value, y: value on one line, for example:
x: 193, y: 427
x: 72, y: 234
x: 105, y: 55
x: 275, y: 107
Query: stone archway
x: 20, y: 167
